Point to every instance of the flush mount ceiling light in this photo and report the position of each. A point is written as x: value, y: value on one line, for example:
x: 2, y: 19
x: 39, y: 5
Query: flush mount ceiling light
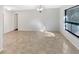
x: 40, y: 8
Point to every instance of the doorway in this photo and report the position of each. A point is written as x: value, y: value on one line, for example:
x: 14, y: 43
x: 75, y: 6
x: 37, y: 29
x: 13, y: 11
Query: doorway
x: 16, y: 21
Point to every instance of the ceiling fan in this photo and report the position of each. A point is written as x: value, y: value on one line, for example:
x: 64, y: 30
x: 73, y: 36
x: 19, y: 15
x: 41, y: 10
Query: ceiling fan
x: 40, y: 8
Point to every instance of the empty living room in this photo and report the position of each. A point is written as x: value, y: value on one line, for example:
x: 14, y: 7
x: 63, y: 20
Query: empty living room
x: 39, y: 29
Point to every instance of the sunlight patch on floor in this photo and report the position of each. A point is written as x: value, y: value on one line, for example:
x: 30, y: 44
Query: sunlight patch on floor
x: 65, y: 48
x: 49, y: 34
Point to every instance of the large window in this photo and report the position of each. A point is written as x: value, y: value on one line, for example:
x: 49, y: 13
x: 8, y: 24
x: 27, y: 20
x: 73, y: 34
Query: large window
x: 72, y: 20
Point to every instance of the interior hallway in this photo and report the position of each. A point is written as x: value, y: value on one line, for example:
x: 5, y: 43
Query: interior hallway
x: 37, y: 42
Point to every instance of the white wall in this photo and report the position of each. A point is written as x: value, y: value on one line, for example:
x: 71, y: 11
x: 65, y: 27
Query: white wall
x: 74, y: 40
x: 1, y: 27
x: 8, y: 21
x: 32, y: 20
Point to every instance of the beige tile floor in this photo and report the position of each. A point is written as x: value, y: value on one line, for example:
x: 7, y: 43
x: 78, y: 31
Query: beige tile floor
x: 28, y: 42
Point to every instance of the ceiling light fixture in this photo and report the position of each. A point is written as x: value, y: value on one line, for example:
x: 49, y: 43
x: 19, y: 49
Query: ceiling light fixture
x: 40, y: 9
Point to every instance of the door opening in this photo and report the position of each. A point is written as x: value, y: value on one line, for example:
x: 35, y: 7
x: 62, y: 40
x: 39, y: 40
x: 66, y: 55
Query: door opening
x: 16, y: 22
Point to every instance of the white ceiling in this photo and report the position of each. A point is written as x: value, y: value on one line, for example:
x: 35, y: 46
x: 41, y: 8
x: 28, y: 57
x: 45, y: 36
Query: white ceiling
x: 25, y: 7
